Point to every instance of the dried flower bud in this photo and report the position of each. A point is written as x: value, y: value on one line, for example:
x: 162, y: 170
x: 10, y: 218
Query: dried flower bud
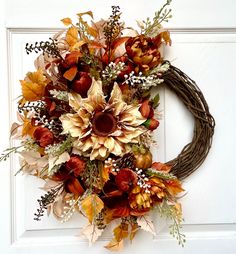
x: 151, y: 124
x: 145, y: 109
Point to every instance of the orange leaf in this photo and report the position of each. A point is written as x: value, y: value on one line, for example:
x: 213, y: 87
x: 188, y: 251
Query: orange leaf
x: 73, y: 57
x: 105, y: 172
x: 173, y: 187
x: 117, y: 42
x: 166, y: 37
x: 28, y: 129
x: 66, y: 21
x: 95, y: 45
x: 75, y: 187
x: 33, y: 86
x: 92, y: 206
x: 71, y: 73
x: 161, y: 167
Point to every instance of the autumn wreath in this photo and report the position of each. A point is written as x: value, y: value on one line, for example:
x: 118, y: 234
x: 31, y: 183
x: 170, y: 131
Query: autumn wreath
x: 86, y: 119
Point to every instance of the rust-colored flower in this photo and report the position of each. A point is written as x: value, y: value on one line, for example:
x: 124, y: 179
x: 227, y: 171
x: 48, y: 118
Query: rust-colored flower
x: 75, y: 165
x: 43, y: 136
x: 126, y: 179
x: 144, y: 52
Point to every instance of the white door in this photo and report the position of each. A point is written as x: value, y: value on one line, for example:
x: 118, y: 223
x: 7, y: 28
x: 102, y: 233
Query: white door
x: 204, y: 46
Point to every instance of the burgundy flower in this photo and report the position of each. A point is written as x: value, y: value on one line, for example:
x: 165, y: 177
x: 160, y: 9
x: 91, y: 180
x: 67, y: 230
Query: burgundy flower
x: 126, y: 179
x: 75, y: 165
x: 128, y: 66
x: 82, y: 83
x: 43, y: 136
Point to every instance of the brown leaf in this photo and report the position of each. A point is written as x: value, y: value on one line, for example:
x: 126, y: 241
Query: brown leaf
x: 92, y: 206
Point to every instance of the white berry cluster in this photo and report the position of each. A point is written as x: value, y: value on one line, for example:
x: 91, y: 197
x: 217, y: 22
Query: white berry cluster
x: 142, y: 180
x: 69, y: 210
x: 112, y: 164
x: 144, y: 81
x: 112, y: 70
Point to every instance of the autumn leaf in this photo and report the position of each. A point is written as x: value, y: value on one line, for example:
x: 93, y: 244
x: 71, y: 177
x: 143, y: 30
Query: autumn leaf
x: 81, y: 14
x: 92, y: 232
x: 66, y: 21
x: 33, y: 86
x: 134, y: 230
x: 92, y: 206
x: 146, y: 224
x: 113, y: 245
x: 121, y: 232
x: 28, y: 128
x: 57, y: 160
x: 90, y: 30
x: 71, y: 73
x: 161, y: 167
x: 72, y: 36
x: 105, y: 172
x: 173, y: 186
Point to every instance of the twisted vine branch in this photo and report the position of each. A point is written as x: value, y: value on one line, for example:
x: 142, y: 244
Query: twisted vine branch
x: 193, y: 154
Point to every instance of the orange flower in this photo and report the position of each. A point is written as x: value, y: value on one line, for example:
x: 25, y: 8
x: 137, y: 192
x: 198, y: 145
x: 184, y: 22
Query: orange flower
x: 144, y: 52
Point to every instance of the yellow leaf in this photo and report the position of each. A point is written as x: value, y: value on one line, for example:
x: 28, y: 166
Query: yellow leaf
x: 134, y: 229
x: 33, y: 86
x: 28, y: 129
x: 71, y: 73
x: 92, y: 31
x: 66, y: 21
x: 105, y: 172
x: 72, y: 36
x: 114, y: 245
x: 92, y: 206
x: 121, y: 232
x: 85, y: 13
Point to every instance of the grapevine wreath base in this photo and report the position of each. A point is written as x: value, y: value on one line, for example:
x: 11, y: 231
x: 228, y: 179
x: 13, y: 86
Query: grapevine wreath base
x: 190, y: 94
x: 85, y: 123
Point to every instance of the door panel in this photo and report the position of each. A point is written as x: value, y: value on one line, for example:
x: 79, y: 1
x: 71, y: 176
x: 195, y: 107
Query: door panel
x: 203, y: 48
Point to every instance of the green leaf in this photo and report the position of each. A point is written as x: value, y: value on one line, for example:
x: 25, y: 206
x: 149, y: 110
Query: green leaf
x: 156, y: 101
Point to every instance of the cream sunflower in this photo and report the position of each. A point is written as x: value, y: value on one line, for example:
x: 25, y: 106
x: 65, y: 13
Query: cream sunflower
x: 102, y: 127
